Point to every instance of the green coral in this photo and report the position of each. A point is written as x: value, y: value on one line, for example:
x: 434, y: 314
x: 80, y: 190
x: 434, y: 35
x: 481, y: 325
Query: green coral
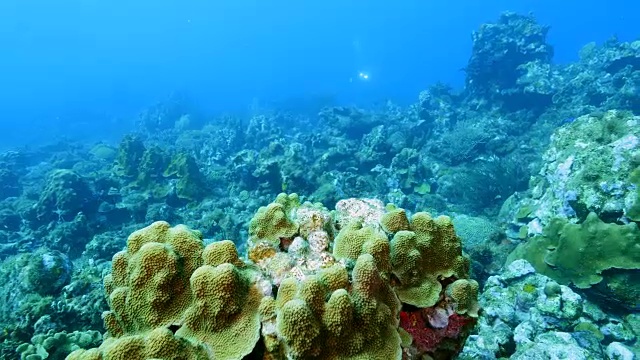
x: 356, y: 323
x: 431, y: 250
x: 524, y: 211
x: 191, y: 183
x: 579, y: 253
x: 166, y: 278
x: 356, y: 239
x: 159, y: 343
x: 588, y: 254
x: 154, y: 160
x: 273, y: 222
x: 56, y: 346
x: 589, y: 327
x: 130, y: 152
x: 104, y: 152
x: 310, y: 292
x: 395, y: 220
x: 152, y: 167
x: 464, y: 293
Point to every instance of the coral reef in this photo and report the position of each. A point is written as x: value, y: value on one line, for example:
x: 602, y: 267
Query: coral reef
x: 588, y: 254
x: 526, y: 315
x: 500, y: 52
x: 587, y: 168
x: 315, y: 284
x: 57, y: 346
x: 551, y: 142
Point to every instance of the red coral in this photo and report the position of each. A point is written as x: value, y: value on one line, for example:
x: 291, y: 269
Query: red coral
x: 428, y: 339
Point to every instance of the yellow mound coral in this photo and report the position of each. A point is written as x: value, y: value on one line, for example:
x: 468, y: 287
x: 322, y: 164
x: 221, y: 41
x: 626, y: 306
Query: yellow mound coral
x: 338, y: 293
x: 356, y: 239
x: 356, y: 323
x: 272, y: 222
x: 420, y: 257
x: 160, y: 343
x: 167, y: 280
x: 149, y: 283
x: 395, y: 220
x: 464, y: 293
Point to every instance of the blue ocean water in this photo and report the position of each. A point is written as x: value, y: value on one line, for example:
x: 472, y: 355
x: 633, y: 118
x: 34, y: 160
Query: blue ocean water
x: 72, y: 67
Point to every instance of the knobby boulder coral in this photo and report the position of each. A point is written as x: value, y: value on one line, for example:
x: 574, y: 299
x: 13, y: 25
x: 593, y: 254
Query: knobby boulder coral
x: 360, y: 282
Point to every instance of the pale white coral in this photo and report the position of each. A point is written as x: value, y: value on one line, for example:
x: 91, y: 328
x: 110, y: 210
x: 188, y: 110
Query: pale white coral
x: 369, y: 211
x: 318, y: 241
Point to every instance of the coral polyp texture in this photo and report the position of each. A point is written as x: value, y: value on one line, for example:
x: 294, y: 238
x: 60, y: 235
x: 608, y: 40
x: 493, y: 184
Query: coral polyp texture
x: 364, y: 281
x: 171, y: 297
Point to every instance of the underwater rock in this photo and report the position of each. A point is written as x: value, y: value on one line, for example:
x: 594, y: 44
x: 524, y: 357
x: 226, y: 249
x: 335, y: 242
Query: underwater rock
x: 47, y: 272
x: 174, y: 112
x: 555, y: 345
x: 67, y: 193
x: 618, y: 351
x: 529, y: 316
x: 9, y: 183
x: 500, y: 51
x: 348, y: 121
x: 606, y: 77
x: 588, y: 167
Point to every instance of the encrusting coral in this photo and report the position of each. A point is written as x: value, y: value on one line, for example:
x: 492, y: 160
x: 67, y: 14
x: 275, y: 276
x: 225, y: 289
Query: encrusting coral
x: 588, y: 255
x: 422, y: 256
x: 315, y: 285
